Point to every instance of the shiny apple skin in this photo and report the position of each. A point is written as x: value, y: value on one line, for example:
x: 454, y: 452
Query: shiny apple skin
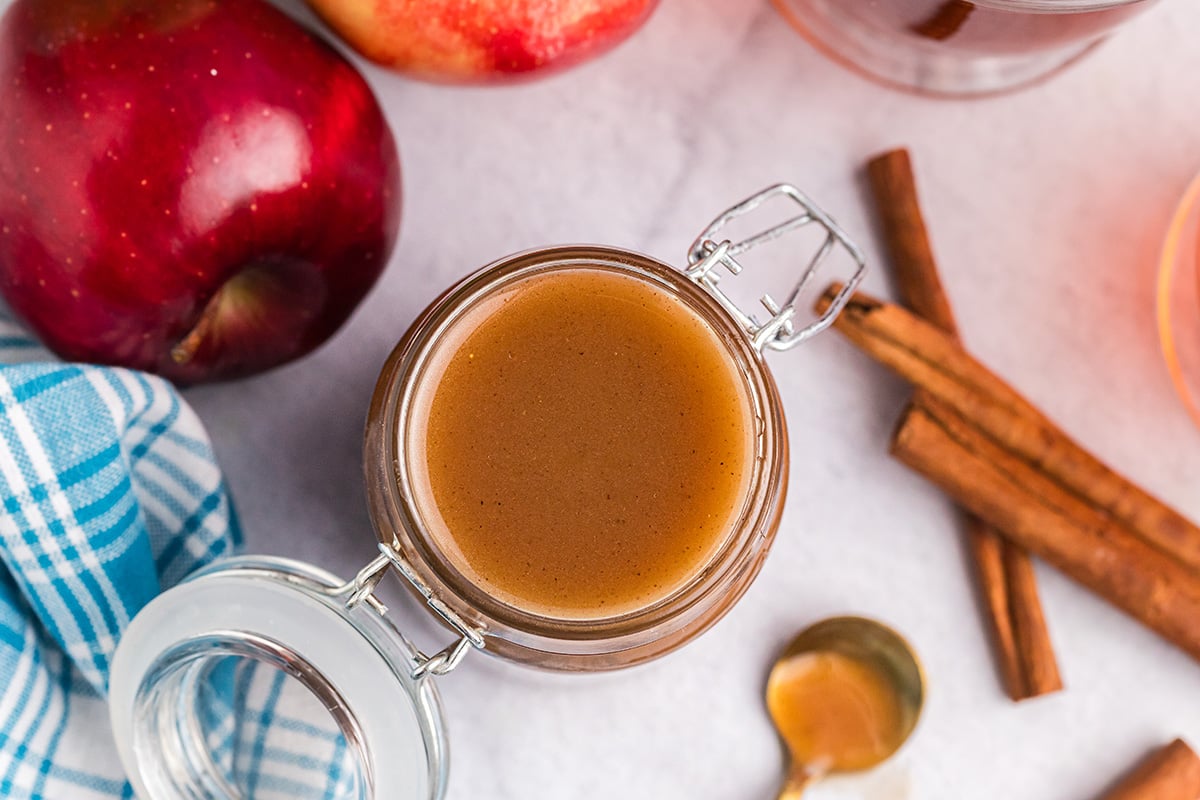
x: 154, y: 152
x: 483, y: 41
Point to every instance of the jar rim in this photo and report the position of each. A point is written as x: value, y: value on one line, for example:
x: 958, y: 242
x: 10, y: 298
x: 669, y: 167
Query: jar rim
x: 282, y: 613
x: 594, y: 643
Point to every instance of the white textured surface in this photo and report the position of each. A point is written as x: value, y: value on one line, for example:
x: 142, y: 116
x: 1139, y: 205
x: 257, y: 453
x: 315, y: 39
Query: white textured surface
x: 1047, y: 209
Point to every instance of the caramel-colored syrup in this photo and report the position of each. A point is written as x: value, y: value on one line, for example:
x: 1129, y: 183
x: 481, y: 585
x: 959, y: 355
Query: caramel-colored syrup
x: 834, y: 712
x: 584, y: 443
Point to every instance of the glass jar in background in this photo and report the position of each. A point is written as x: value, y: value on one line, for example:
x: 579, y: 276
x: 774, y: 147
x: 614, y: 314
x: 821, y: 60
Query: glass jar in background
x: 202, y: 670
x: 958, y: 47
x: 1179, y: 299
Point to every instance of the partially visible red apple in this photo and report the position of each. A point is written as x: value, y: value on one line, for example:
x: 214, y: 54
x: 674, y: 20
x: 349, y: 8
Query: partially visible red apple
x: 198, y: 188
x: 483, y: 41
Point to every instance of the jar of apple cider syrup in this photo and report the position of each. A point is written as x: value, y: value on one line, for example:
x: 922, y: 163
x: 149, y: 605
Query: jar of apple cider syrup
x: 576, y: 457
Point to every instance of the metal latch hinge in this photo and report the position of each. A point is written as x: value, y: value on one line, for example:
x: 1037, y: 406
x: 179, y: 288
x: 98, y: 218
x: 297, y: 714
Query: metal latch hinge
x: 780, y: 332
x: 362, y: 589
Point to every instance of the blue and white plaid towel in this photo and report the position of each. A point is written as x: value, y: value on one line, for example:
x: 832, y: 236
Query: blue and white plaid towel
x: 110, y: 495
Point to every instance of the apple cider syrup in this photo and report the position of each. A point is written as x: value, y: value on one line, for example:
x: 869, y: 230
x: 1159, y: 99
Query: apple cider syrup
x: 583, y: 443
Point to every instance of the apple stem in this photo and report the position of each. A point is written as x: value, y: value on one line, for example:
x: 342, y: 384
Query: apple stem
x: 186, y: 349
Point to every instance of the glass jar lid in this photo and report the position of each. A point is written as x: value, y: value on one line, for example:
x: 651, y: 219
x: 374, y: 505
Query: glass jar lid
x: 263, y: 677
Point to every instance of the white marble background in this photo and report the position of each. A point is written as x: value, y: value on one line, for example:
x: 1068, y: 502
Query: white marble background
x: 1047, y: 208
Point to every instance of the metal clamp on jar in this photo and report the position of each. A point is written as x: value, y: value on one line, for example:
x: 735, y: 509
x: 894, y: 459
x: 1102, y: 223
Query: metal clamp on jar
x: 348, y: 659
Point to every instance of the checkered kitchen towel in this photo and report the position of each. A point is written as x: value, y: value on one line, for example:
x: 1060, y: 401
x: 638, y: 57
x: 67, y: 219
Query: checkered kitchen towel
x: 110, y: 495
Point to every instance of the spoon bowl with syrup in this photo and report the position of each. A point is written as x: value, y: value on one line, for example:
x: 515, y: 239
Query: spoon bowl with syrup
x: 845, y: 695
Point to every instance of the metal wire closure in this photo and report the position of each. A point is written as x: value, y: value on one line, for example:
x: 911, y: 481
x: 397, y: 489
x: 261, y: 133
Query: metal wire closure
x: 362, y: 589
x: 779, y: 332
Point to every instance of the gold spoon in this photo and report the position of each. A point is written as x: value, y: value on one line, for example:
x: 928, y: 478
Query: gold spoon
x: 844, y: 696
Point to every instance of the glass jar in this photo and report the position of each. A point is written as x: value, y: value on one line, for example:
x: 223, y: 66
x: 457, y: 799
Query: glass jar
x: 351, y: 670
x: 958, y: 47
x: 1179, y: 299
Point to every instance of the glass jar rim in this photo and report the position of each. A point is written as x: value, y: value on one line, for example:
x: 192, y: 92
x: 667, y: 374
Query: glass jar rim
x: 510, y: 631
x: 1055, y: 6
x: 1178, y: 299
x: 296, y: 618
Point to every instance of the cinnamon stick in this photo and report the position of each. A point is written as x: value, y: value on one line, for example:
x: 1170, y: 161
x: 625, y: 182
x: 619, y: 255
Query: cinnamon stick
x: 895, y: 188
x: 1004, y: 571
x: 929, y: 358
x: 1033, y: 509
x: 1039, y: 667
x: 987, y: 552
x: 1169, y: 773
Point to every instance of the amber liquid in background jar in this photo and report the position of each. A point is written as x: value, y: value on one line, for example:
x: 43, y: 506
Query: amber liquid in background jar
x: 976, y: 28
x: 957, y: 47
x: 586, y: 447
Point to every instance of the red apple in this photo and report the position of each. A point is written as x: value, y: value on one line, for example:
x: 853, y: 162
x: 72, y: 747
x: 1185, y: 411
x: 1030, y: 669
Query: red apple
x: 482, y: 41
x: 198, y: 188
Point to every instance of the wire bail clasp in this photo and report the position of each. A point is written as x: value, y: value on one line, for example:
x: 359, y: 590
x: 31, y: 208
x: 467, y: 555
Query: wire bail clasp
x: 780, y: 331
x: 362, y: 589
